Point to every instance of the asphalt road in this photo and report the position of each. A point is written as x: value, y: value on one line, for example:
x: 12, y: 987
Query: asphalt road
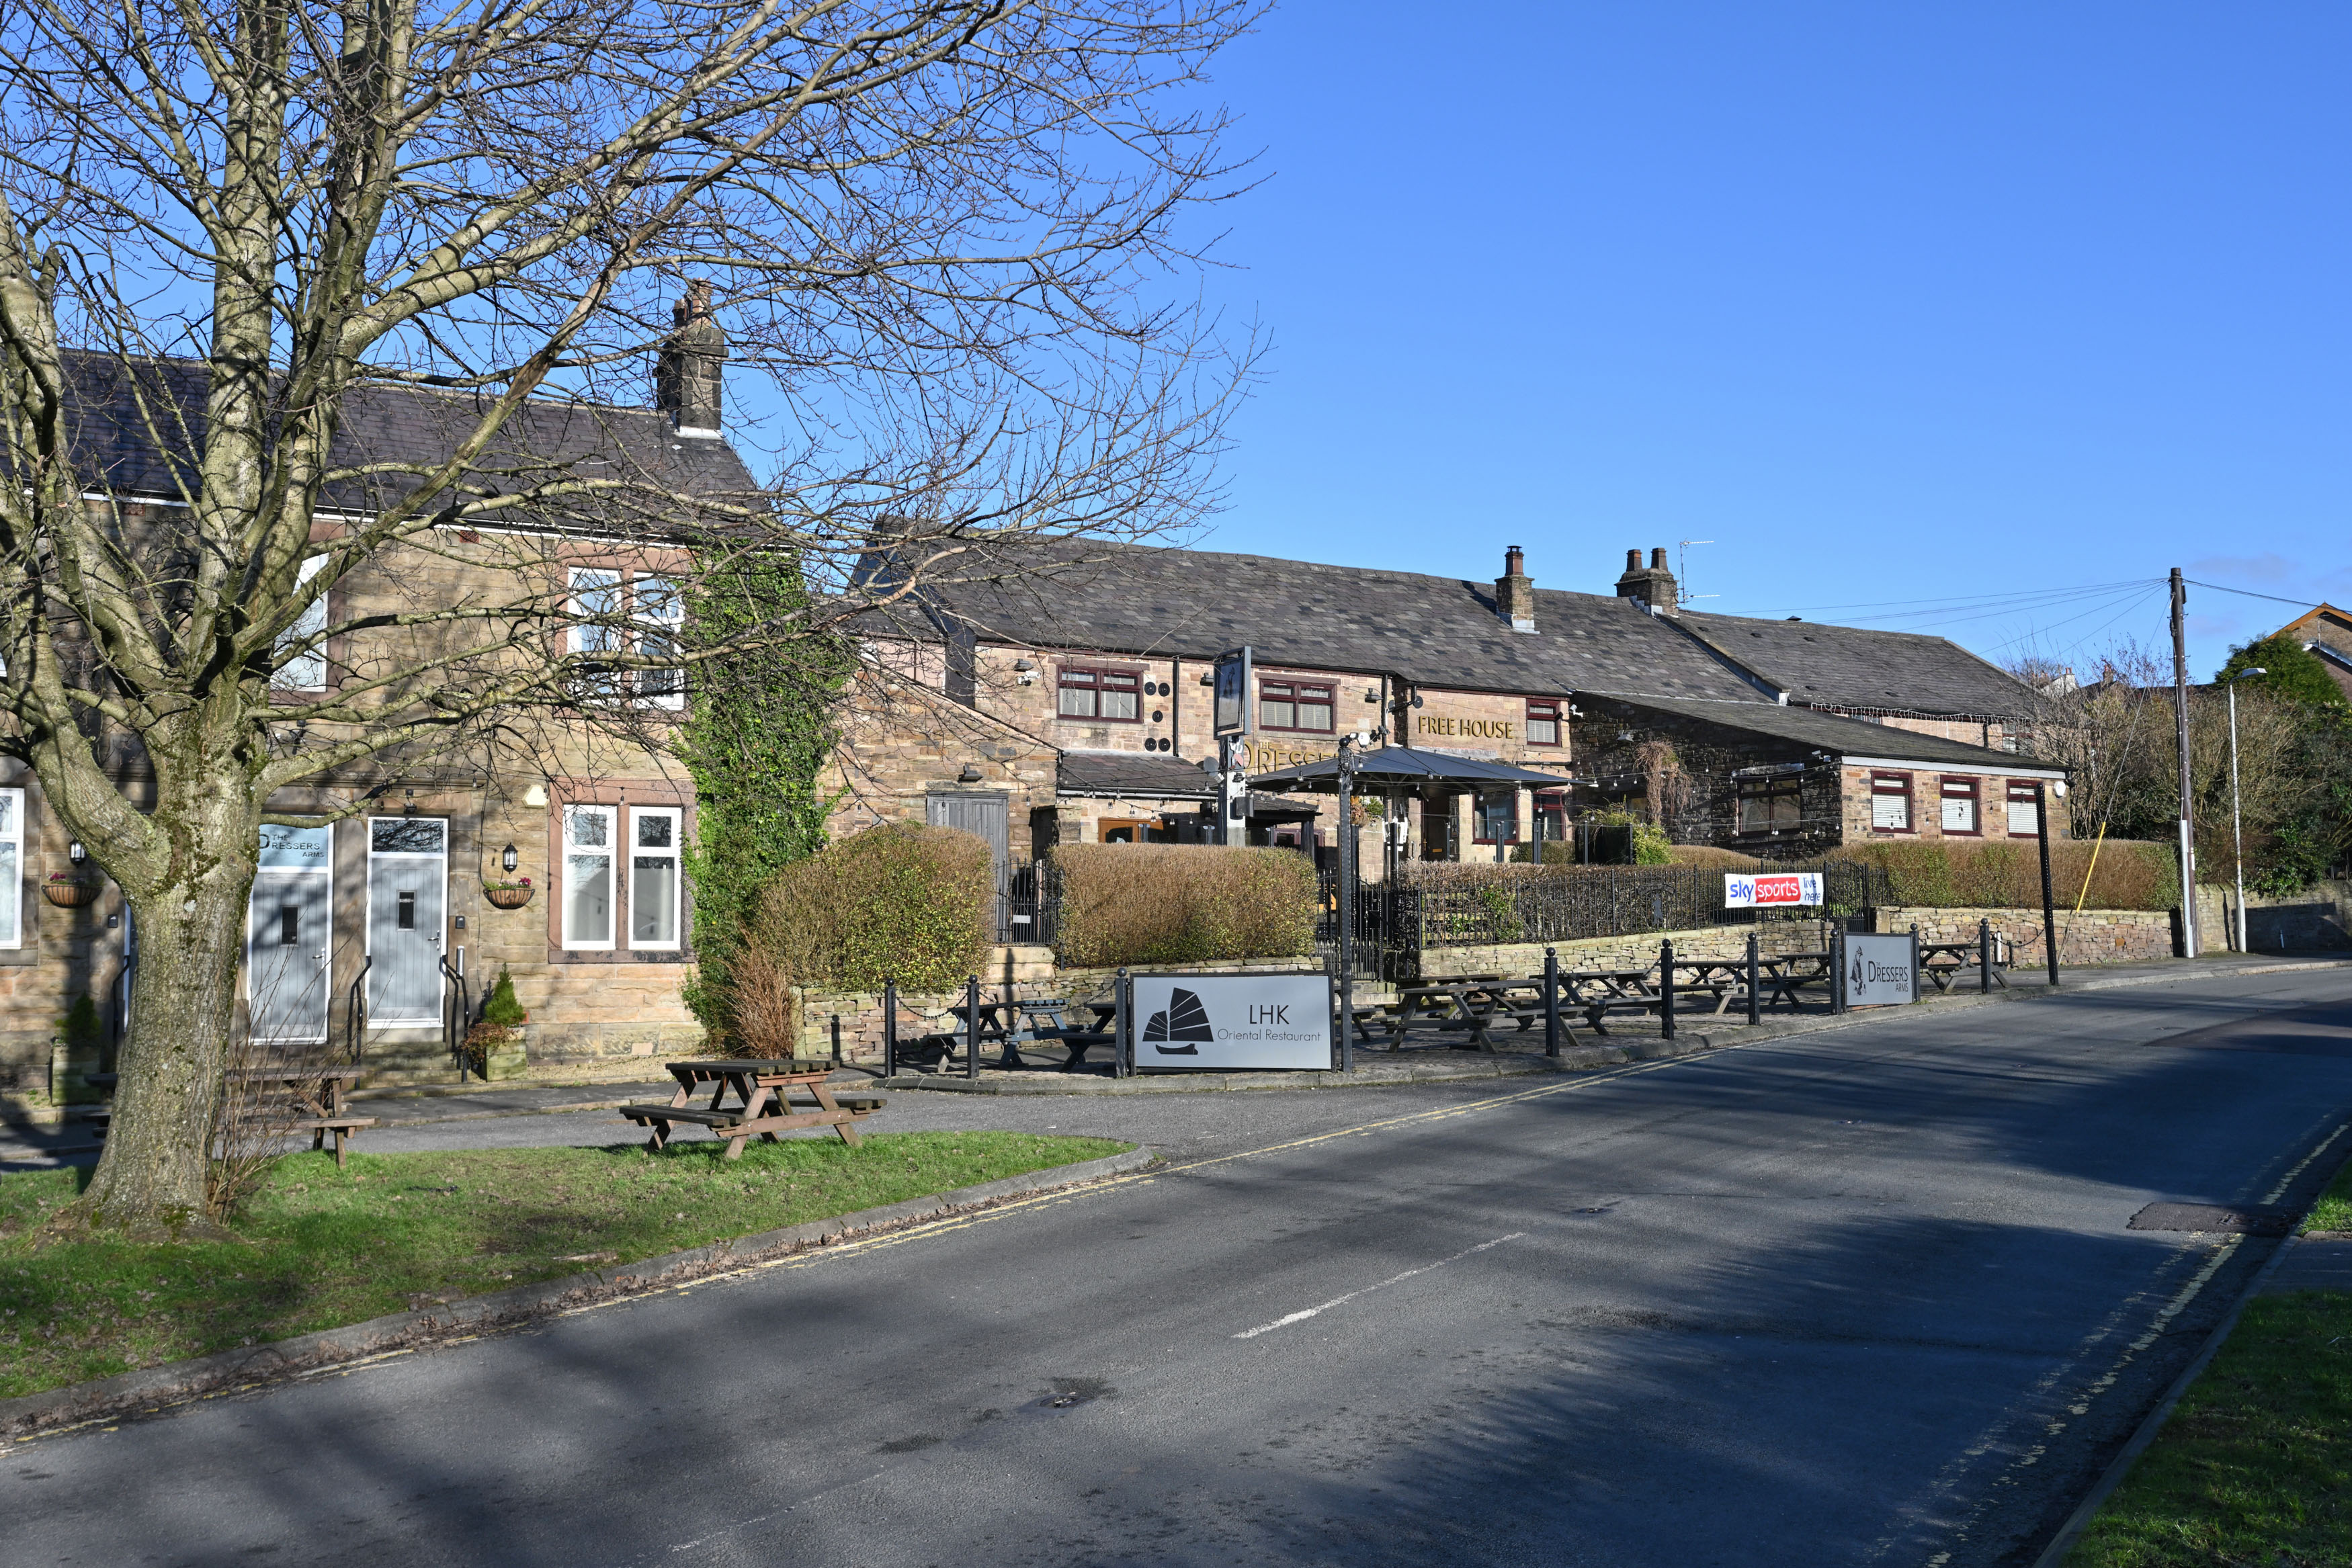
x: 1860, y: 1297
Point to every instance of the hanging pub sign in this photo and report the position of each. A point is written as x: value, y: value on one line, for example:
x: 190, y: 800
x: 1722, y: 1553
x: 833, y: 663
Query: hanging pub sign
x: 1217, y: 1023
x: 1770, y: 890
x: 1231, y: 714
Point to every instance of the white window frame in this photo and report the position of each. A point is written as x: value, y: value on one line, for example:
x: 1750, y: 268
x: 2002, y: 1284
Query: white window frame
x: 676, y: 877
x: 588, y: 637
x: 672, y: 625
x: 13, y: 837
x: 288, y: 677
x: 615, y: 905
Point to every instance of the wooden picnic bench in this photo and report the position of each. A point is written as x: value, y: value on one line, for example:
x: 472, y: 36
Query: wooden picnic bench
x: 764, y: 1092
x: 1943, y: 963
x: 318, y: 1090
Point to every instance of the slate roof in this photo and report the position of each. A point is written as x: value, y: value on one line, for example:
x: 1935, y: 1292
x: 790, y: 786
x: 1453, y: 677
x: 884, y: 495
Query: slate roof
x: 1141, y: 774
x: 1850, y: 666
x: 1830, y: 732
x: 1147, y: 601
x: 114, y: 450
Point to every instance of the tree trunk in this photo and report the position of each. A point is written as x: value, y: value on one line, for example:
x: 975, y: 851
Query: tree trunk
x: 151, y: 1182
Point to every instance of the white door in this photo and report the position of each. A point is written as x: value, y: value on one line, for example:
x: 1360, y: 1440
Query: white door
x: 287, y: 937
x: 408, y: 880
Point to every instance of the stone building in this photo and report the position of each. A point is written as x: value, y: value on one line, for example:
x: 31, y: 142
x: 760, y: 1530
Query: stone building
x: 368, y: 907
x: 1062, y: 696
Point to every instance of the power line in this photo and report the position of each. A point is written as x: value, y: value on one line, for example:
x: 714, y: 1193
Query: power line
x: 2247, y: 592
x: 1986, y: 598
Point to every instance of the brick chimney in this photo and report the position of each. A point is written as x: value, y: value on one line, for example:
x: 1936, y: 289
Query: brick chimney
x: 686, y: 384
x: 1653, y: 585
x: 1515, y: 591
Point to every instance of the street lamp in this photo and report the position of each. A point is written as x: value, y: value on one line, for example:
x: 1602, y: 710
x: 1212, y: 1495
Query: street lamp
x: 2237, y: 833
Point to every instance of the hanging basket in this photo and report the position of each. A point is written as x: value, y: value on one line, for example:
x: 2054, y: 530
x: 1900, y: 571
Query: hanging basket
x: 508, y: 897
x: 70, y: 894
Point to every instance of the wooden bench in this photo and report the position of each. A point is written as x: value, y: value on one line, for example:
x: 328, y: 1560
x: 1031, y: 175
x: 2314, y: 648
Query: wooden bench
x: 769, y: 1094
x: 342, y: 1126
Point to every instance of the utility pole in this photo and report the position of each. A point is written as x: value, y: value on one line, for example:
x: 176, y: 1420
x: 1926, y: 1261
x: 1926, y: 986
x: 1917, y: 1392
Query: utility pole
x: 2181, y: 715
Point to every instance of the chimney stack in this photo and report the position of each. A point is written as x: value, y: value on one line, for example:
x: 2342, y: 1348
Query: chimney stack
x: 1653, y: 587
x: 1515, y: 591
x: 688, y: 383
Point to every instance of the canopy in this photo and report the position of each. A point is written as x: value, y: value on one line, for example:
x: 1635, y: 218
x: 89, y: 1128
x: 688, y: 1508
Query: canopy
x: 1405, y: 769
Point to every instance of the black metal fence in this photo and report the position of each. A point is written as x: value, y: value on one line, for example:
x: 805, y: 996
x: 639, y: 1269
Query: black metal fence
x: 1589, y: 902
x: 1029, y: 904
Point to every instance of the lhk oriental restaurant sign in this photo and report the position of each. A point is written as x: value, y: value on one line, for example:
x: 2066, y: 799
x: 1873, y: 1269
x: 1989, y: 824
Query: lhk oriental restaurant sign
x: 1226, y: 1021
x: 1769, y: 891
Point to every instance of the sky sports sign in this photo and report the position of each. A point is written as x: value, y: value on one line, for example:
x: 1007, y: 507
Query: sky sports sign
x: 1771, y: 891
x: 1223, y: 1022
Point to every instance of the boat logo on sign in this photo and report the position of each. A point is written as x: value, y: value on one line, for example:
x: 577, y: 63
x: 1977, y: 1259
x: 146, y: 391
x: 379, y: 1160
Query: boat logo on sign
x: 1185, y: 1019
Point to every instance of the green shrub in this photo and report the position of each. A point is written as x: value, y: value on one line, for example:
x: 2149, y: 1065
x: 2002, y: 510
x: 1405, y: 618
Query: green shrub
x: 1177, y: 904
x: 83, y: 1031
x: 1711, y: 857
x: 900, y: 902
x: 1996, y: 873
x: 500, y: 1009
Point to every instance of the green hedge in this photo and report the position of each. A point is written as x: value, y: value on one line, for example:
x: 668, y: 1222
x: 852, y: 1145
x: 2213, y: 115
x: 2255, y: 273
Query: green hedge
x: 1177, y: 904
x: 900, y: 902
x: 2006, y: 873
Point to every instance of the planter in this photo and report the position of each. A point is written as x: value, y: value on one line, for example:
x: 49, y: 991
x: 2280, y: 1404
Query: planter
x: 508, y: 897
x: 70, y: 894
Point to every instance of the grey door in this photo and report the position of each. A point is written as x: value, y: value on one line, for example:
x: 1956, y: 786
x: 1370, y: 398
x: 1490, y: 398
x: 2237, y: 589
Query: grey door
x: 408, y: 880
x: 986, y: 815
x: 286, y: 944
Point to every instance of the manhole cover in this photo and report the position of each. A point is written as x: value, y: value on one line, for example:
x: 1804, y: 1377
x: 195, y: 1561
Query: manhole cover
x: 2227, y: 1219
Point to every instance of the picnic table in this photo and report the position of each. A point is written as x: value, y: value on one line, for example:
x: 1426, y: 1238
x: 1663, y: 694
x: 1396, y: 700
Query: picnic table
x: 1470, y: 1003
x: 319, y: 1091
x: 1779, y: 976
x: 1942, y: 963
x: 763, y: 1091
x: 1597, y: 993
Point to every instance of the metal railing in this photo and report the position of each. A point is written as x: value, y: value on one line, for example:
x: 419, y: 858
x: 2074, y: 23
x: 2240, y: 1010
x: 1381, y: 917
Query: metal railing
x: 1569, y: 905
x: 1029, y: 904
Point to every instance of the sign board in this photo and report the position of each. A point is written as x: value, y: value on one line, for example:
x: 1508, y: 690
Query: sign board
x: 1881, y: 971
x: 294, y: 848
x: 1767, y: 890
x: 1221, y: 1022
x: 1232, y: 705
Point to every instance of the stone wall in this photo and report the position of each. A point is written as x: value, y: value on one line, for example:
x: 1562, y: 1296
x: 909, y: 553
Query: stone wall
x: 2092, y: 937
x: 1774, y: 937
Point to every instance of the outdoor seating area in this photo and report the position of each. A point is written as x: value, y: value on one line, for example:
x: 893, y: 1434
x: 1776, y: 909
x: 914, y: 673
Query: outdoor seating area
x: 771, y: 1097
x: 1002, y: 1027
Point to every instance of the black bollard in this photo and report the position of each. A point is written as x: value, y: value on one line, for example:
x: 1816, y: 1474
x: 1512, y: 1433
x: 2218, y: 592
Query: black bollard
x: 1551, y: 1001
x: 971, y: 1026
x: 1667, y: 987
x: 889, y: 1028
x: 1984, y: 957
x: 1755, y: 1002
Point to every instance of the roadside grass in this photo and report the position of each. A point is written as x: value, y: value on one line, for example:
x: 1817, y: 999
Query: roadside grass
x: 324, y: 1247
x: 2334, y: 1211
x: 2254, y: 1466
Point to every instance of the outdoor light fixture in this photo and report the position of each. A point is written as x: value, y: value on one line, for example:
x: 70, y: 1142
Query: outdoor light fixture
x: 1024, y: 671
x: 1025, y: 664
x: 970, y: 774
x: 76, y: 854
x: 507, y: 860
x: 408, y: 803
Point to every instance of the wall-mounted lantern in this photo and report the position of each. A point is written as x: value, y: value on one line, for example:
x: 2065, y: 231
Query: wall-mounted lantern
x: 507, y: 859
x: 970, y: 774
x: 76, y: 854
x: 408, y: 803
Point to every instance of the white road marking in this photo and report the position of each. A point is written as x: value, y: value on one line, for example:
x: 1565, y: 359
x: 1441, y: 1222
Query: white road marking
x: 1368, y: 1290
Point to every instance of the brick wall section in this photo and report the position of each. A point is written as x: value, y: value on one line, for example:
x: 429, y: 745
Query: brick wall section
x: 1708, y: 754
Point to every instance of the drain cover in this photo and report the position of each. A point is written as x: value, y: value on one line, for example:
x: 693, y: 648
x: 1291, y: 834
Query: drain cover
x: 2227, y: 1219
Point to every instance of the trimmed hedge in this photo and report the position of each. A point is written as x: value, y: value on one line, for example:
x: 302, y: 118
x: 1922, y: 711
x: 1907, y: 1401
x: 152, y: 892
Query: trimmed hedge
x: 898, y: 902
x: 1996, y: 874
x: 1177, y: 904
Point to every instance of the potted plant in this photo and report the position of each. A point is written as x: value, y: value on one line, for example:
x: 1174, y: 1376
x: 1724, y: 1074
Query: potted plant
x: 494, y: 1045
x: 509, y: 894
x: 69, y: 890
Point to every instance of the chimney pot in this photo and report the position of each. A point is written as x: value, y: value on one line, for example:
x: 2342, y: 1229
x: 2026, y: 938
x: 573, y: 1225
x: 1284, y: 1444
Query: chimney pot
x: 1658, y: 558
x: 1514, y: 562
x: 1632, y: 560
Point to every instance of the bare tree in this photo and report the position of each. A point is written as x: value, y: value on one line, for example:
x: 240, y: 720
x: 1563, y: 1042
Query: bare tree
x: 947, y: 233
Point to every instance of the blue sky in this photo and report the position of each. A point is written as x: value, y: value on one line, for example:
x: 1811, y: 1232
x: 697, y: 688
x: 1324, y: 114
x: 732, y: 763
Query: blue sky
x: 1891, y: 302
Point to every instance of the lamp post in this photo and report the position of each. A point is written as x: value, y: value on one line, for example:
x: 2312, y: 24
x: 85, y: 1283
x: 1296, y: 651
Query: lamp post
x: 1346, y: 912
x: 2237, y: 831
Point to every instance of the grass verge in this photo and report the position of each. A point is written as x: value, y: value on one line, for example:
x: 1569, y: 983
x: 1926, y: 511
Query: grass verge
x: 324, y: 1247
x: 2253, y: 1469
x: 2333, y: 1210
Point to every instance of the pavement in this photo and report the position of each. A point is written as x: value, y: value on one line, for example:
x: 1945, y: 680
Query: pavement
x: 1866, y: 1295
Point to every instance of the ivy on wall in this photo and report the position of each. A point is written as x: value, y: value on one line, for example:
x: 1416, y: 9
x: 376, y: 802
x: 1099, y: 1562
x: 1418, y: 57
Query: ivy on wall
x: 757, y: 733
